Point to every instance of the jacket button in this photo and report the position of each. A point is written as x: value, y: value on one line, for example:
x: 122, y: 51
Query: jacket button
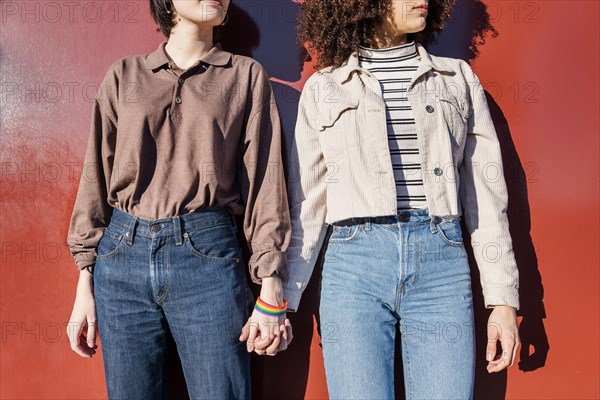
x: 437, y: 171
x: 180, y: 80
x: 429, y: 108
x: 178, y: 100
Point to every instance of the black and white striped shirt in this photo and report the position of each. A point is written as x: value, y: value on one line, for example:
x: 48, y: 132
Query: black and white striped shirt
x: 394, y: 67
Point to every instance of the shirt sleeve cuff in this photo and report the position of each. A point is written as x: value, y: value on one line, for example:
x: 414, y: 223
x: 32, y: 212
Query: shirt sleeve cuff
x: 495, y: 296
x: 85, y: 261
x: 268, y: 264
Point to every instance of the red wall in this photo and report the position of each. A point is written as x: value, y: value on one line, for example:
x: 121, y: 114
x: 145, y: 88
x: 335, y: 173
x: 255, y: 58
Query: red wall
x: 541, y: 73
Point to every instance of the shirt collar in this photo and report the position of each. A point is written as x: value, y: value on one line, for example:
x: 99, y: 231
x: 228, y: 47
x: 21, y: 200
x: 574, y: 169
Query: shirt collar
x: 216, y: 56
x: 352, y: 64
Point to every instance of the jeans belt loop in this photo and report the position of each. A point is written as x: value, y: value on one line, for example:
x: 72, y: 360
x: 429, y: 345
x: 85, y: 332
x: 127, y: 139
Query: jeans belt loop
x: 177, y: 226
x: 234, y: 222
x: 368, y: 223
x: 433, y: 224
x: 131, y: 230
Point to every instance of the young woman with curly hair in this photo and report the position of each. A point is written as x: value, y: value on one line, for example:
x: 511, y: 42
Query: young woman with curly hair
x: 394, y: 147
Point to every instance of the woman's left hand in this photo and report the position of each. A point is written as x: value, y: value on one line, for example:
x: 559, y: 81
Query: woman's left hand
x: 502, y: 325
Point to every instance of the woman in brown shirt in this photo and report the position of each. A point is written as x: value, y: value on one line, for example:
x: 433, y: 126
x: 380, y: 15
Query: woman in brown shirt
x: 181, y: 140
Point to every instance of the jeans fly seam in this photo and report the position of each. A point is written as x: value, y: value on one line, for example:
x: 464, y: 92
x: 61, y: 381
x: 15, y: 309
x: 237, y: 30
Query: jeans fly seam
x: 165, y: 268
x: 153, y: 271
x: 399, y: 286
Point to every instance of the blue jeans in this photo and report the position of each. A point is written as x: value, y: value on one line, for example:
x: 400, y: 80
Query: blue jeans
x: 184, y: 274
x: 410, y: 270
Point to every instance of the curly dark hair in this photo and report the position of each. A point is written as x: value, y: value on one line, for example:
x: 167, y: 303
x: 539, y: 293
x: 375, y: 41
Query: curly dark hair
x: 333, y: 29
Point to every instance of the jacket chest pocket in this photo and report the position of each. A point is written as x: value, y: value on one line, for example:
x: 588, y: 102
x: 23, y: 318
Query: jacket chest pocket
x: 337, y: 126
x: 456, y: 113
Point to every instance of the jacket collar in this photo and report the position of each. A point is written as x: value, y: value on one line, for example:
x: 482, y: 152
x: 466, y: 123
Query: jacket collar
x: 427, y: 62
x: 216, y: 56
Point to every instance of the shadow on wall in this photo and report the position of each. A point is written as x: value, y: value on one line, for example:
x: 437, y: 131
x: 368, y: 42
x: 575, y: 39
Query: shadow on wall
x: 265, y: 30
x: 465, y: 32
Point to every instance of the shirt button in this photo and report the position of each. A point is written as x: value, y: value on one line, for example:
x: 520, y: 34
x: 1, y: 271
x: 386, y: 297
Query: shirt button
x: 178, y: 100
x: 180, y: 80
x: 429, y: 108
x: 437, y: 171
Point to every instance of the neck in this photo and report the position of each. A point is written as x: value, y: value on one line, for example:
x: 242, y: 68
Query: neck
x: 188, y: 43
x: 388, y: 36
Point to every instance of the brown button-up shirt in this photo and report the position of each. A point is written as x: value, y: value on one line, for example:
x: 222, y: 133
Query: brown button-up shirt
x: 166, y: 141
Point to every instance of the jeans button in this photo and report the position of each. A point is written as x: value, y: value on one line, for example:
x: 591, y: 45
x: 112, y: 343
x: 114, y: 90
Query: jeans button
x: 429, y: 108
x: 437, y: 171
x: 155, y: 228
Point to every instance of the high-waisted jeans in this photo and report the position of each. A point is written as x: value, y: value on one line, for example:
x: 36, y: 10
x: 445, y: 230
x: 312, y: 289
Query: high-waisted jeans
x: 184, y: 274
x: 408, y: 270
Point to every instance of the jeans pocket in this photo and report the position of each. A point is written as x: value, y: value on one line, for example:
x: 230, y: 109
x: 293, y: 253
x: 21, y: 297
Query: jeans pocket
x: 110, y: 244
x: 217, y: 243
x: 344, y: 233
x: 450, y: 231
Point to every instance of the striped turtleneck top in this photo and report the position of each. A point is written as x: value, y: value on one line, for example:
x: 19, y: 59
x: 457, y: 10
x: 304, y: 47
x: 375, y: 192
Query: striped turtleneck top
x: 394, y: 67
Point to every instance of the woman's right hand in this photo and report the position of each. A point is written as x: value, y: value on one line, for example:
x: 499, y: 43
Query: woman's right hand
x: 82, y: 324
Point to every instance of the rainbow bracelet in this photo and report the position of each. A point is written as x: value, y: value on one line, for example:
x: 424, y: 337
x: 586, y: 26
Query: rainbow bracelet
x: 269, y: 309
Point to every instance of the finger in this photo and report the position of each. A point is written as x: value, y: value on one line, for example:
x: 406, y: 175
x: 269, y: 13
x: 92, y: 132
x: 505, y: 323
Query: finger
x: 267, y: 334
x: 83, y: 345
x: 74, y: 331
x: 290, y: 334
x: 510, y: 347
x: 270, y: 328
x: 76, y: 344
x: 283, y: 333
x: 263, y: 342
x: 493, y: 334
x: 245, y: 332
x: 252, y: 337
x: 514, y: 353
x: 91, y: 333
x: 507, y: 356
x: 500, y: 363
x: 272, y: 349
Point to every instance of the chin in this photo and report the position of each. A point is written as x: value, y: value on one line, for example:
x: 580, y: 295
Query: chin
x: 418, y: 28
x: 210, y: 14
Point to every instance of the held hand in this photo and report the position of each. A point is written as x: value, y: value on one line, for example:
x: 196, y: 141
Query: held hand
x: 267, y: 334
x: 83, y: 318
x: 502, y: 325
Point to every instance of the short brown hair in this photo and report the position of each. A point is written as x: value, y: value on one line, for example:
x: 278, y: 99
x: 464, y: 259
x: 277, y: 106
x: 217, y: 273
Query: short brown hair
x: 163, y: 19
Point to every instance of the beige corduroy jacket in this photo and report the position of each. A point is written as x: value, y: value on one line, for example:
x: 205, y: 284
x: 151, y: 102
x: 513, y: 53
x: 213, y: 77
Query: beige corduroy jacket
x: 343, y: 168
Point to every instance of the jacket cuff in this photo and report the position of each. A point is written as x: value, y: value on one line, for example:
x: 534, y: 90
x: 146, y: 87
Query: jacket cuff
x: 293, y: 297
x: 268, y: 264
x: 495, y: 296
